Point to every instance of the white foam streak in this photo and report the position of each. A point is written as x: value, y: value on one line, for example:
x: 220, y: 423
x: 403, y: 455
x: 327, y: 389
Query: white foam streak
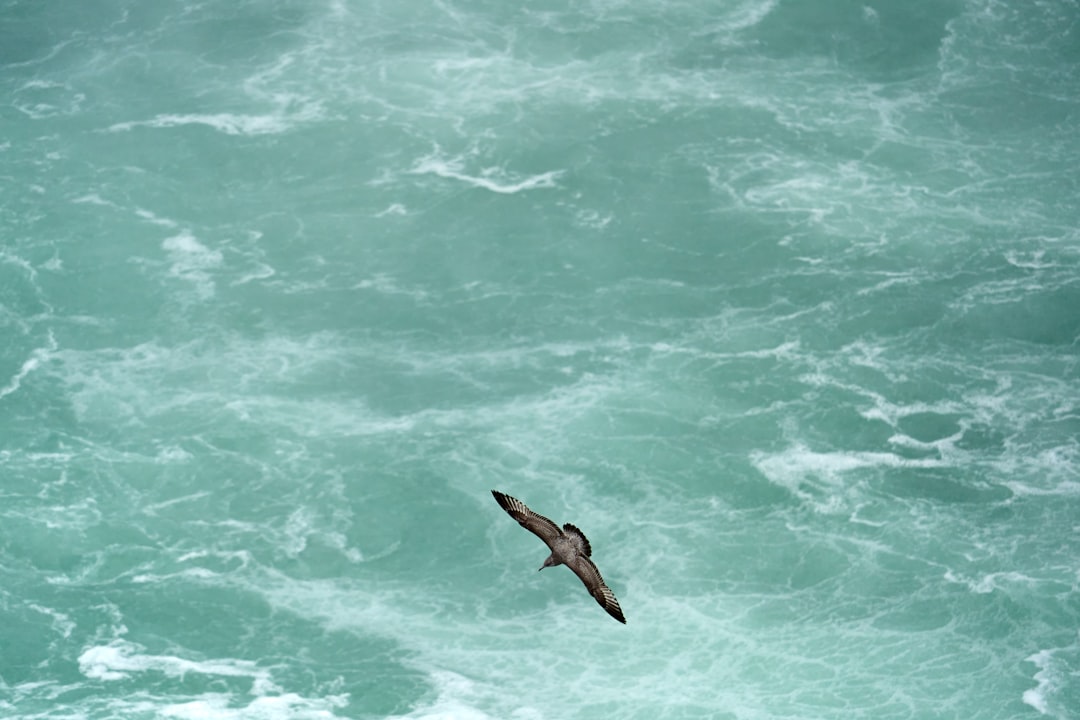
x: 289, y: 706
x: 800, y: 460
x: 192, y: 261
x: 991, y: 582
x: 1065, y: 488
x: 62, y: 623
x: 815, y: 477
x: 1047, y: 681
x: 455, y: 696
x: 32, y: 363
x: 747, y: 15
x: 152, y: 218
x: 227, y: 123
x: 120, y: 658
x: 495, y: 179
x: 393, y: 209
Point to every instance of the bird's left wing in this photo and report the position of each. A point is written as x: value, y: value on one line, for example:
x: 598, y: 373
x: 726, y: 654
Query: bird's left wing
x: 584, y: 568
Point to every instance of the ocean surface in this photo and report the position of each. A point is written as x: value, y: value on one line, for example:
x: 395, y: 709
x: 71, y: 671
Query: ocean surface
x: 778, y: 301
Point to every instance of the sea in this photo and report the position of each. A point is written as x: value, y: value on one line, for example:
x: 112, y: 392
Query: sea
x: 777, y: 300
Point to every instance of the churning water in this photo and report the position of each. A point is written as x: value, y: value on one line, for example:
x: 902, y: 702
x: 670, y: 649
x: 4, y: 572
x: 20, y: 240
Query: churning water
x: 778, y: 301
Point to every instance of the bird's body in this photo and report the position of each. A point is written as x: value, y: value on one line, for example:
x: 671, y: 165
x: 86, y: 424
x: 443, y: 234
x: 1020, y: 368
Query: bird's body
x: 569, y: 547
x: 565, y: 548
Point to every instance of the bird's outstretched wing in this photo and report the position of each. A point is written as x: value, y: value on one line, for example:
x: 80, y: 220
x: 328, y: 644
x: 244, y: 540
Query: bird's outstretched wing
x: 584, y: 568
x: 539, y: 525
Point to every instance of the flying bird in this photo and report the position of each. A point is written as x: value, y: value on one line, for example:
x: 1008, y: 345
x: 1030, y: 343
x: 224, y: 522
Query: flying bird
x: 569, y: 547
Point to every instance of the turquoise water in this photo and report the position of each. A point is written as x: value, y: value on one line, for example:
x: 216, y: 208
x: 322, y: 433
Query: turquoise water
x: 778, y: 301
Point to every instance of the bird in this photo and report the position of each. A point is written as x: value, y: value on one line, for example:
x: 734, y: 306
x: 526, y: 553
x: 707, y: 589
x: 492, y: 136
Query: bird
x: 569, y: 547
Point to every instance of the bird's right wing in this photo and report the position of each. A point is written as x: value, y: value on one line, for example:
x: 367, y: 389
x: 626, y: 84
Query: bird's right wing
x: 584, y: 568
x: 539, y: 525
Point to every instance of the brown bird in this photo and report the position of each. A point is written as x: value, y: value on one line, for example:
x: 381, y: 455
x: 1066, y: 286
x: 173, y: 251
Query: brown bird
x: 569, y: 547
